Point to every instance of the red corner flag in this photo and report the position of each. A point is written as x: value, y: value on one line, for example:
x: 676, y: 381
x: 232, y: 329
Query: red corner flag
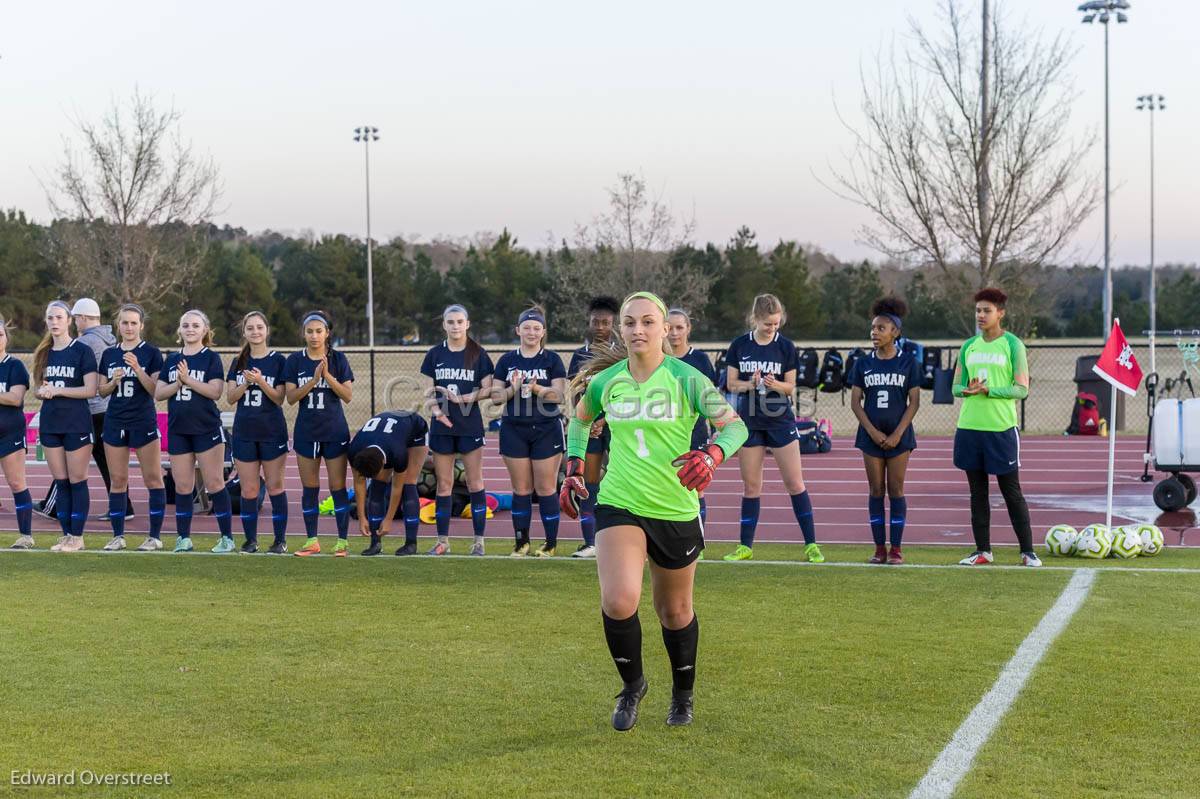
x: 1117, y: 364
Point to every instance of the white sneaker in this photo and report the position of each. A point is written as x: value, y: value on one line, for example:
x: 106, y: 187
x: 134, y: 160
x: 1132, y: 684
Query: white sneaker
x: 74, y: 543
x: 1030, y: 559
x: 116, y: 545
x: 24, y: 542
x: 584, y: 551
x: 58, y: 545
x: 150, y: 545
x: 476, y: 549
x: 977, y: 558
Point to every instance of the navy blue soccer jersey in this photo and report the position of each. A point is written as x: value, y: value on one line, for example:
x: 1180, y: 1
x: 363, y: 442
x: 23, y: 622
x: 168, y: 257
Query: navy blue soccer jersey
x: 580, y: 357
x: 885, y: 385
x: 66, y: 368
x: 12, y: 418
x: 393, y: 432
x: 189, y: 413
x: 450, y: 371
x: 321, y: 416
x: 544, y: 367
x: 762, y: 408
x: 130, y: 405
x: 257, y: 418
x: 700, y: 360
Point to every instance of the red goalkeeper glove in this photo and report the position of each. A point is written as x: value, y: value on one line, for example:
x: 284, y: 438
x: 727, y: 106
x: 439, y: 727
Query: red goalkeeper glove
x: 696, y: 467
x: 574, y: 489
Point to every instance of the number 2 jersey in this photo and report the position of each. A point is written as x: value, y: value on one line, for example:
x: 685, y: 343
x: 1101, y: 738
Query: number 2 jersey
x: 321, y: 417
x: 394, y: 433
x: 885, y: 384
x: 257, y: 418
x: 66, y: 368
x: 651, y: 425
x: 131, y: 406
x: 189, y: 413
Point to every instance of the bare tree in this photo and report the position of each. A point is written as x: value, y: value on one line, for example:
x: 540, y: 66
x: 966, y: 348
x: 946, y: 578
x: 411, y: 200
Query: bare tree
x: 977, y: 189
x: 132, y: 206
x: 629, y: 248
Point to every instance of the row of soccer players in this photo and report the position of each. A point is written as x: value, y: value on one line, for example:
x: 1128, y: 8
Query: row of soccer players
x: 132, y: 375
x: 530, y: 381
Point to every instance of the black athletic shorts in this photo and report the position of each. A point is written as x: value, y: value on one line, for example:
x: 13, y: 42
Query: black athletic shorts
x: 671, y: 545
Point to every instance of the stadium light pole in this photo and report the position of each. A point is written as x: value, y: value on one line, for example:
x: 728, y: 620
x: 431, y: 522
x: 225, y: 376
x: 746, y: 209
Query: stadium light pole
x: 367, y: 134
x: 1152, y: 103
x: 1105, y: 11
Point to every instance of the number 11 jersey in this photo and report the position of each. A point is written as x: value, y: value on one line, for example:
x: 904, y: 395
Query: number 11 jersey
x: 320, y: 417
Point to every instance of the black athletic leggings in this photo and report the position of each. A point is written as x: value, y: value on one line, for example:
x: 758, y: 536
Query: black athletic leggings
x: 981, y: 510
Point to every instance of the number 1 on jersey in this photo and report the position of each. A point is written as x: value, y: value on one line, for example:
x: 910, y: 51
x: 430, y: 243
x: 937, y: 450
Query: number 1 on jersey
x: 643, y: 451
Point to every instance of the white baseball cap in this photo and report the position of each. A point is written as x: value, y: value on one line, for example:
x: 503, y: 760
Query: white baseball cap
x: 86, y: 307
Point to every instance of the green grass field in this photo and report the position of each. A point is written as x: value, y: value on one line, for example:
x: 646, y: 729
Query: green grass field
x: 260, y: 676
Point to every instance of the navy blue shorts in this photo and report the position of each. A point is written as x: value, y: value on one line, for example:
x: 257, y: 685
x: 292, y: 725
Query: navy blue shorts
x: 132, y: 437
x: 534, y: 441
x: 908, y: 442
x: 184, y: 443
x: 68, y: 441
x: 700, y: 435
x: 9, y: 443
x: 600, y: 443
x: 776, y: 438
x: 447, y: 444
x: 251, y: 451
x: 987, y: 451
x: 320, y: 449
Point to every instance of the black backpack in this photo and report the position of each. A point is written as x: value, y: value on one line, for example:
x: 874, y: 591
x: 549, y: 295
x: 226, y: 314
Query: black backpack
x: 807, y: 371
x: 852, y: 358
x: 833, y: 378
x: 931, y: 362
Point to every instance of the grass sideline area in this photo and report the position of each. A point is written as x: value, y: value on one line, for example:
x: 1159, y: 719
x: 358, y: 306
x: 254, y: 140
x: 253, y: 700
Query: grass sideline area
x: 489, y: 677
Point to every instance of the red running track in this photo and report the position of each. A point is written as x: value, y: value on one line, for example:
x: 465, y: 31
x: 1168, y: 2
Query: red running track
x: 1064, y: 481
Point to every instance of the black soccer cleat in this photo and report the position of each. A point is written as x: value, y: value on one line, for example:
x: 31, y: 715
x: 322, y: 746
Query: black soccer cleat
x: 374, y: 549
x: 626, y: 712
x: 407, y: 549
x: 278, y: 548
x: 249, y: 548
x: 680, y: 713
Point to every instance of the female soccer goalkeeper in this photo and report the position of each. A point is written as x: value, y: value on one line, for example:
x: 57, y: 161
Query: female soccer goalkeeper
x: 648, y: 503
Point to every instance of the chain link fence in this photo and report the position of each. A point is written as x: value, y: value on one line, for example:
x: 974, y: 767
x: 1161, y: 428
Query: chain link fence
x: 389, y: 378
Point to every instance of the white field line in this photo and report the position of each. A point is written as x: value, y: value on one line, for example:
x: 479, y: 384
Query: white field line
x: 745, y: 564
x: 955, y: 760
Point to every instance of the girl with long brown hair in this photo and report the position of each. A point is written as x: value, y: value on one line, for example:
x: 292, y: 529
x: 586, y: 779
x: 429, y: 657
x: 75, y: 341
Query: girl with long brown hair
x: 64, y: 370
x: 256, y: 388
x: 128, y: 377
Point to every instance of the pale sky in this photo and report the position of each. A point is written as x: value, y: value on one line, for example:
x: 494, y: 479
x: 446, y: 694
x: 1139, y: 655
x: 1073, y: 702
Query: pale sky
x: 519, y: 113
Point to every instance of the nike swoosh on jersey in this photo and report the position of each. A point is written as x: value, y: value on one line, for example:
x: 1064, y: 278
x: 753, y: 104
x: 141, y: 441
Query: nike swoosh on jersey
x: 690, y: 551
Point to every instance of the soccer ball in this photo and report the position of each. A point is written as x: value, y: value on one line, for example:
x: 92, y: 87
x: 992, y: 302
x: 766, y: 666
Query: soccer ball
x: 1126, y: 543
x: 1152, y: 538
x: 1060, y: 540
x: 1095, y: 541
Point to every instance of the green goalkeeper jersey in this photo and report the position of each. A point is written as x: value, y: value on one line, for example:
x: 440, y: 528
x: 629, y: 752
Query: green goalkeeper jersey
x: 651, y: 425
x: 998, y: 363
